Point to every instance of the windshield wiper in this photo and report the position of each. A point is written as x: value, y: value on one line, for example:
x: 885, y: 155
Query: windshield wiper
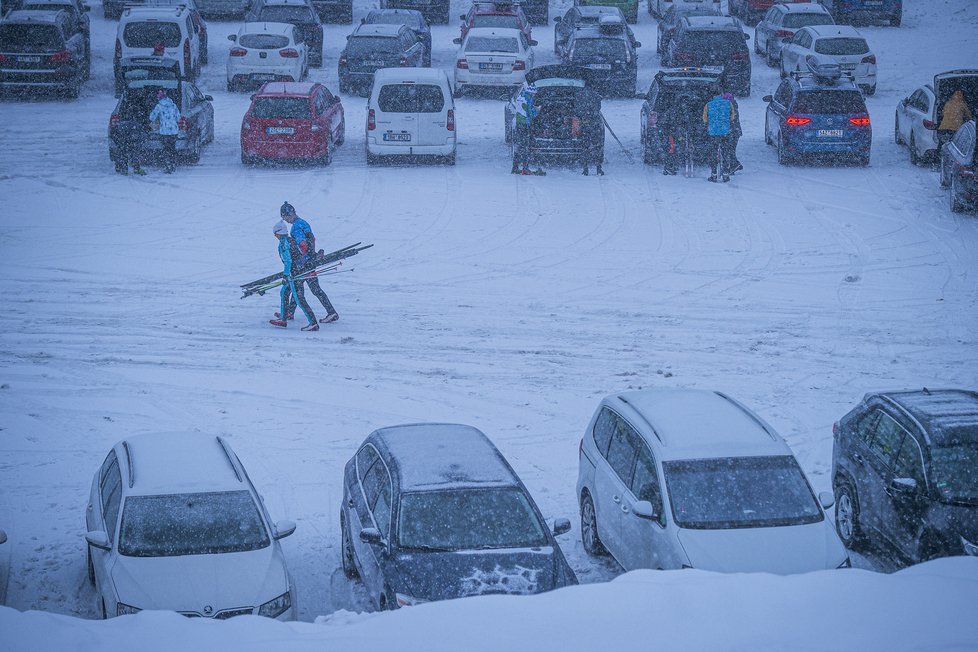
x: 432, y: 548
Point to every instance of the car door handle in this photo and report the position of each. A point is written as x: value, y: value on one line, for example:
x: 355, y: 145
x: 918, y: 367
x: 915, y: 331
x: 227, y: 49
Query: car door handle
x: 859, y: 458
x: 624, y: 508
x: 349, y: 504
x: 617, y: 499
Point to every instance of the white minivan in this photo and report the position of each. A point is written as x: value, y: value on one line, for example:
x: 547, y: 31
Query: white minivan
x: 411, y: 113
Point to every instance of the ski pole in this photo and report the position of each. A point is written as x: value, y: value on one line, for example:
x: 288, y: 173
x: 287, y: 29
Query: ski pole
x: 623, y: 148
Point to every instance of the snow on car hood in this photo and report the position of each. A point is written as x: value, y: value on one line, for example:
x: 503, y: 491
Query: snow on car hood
x: 446, y: 575
x: 194, y: 582
x: 781, y: 550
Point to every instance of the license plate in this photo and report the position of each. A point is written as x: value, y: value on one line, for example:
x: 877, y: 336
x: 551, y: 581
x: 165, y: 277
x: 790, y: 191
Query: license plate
x: 390, y: 137
x: 377, y: 64
x: 829, y: 133
x: 29, y: 59
x: 263, y: 77
x: 599, y: 66
x: 491, y: 67
x: 280, y: 130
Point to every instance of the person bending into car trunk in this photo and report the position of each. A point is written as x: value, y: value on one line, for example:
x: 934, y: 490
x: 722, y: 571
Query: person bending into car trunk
x: 287, y: 252
x: 166, y: 113
x: 305, y: 241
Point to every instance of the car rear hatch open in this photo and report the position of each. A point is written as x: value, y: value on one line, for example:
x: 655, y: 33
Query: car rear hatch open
x: 946, y: 83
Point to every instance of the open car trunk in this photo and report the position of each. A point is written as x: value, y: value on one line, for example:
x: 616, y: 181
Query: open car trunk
x: 946, y: 83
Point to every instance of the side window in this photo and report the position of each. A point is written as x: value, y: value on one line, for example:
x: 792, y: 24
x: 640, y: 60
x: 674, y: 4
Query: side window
x: 188, y: 25
x: 645, y: 482
x: 523, y: 42
x: 914, y: 100
x: 909, y: 463
x: 924, y: 102
x: 772, y: 16
x: 374, y: 481
x: 111, y: 492
x: 622, y: 451
x: 109, y: 461
x: 866, y: 425
x: 603, y: 428
x: 382, y: 508
x: 365, y: 459
x: 783, y: 95
x: 887, y: 439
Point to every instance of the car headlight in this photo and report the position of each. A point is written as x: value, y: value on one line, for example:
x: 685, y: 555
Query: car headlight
x: 846, y: 564
x: 969, y: 547
x: 277, y: 606
x: 123, y: 609
x: 404, y: 600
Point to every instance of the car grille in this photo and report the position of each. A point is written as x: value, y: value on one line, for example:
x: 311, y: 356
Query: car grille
x: 221, y: 615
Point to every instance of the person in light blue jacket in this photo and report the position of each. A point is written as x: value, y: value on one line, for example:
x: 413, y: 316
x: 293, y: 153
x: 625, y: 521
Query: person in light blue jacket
x: 290, y: 256
x: 719, y: 116
x: 168, y: 115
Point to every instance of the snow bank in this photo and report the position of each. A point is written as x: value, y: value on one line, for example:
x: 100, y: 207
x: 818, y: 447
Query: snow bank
x: 925, y: 607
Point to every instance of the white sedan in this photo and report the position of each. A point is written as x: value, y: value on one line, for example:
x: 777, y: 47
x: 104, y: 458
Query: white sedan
x: 266, y: 52
x: 841, y: 44
x: 492, y: 56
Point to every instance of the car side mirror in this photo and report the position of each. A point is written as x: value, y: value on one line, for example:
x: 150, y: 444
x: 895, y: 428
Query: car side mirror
x: 644, y: 509
x: 905, y: 101
x: 336, y: 99
x: 461, y: 16
x: 372, y: 536
x: 457, y: 41
x: 348, y: 36
x: 904, y: 486
x: 209, y: 98
x: 98, y: 539
x: 533, y: 43
x: 253, y: 96
x: 767, y: 98
x: 3, y: 535
x: 556, y: 19
x: 232, y: 37
x: 746, y: 36
x: 826, y: 499
x: 637, y: 44
x: 561, y: 526
x: 284, y: 529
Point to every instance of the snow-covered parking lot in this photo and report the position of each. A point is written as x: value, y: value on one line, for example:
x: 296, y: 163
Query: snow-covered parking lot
x: 506, y: 302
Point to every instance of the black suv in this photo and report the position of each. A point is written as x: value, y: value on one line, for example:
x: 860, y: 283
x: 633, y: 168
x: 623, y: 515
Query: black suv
x: 608, y: 51
x: 294, y: 12
x: 43, y: 50
x: 76, y: 10
x: 713, y: 41
x: 374, y: 46
x: 678, y: 95
x: 904, y: 473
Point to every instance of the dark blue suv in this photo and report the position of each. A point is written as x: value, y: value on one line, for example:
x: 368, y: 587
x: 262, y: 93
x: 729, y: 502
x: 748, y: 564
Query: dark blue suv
x: 903, y: 470
x: 818, y: 114
x: 846, y: 11
x: 433, y: 511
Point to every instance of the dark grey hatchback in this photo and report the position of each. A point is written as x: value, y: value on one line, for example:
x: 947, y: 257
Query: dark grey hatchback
x: 433, y: 511
x: 905, y: 473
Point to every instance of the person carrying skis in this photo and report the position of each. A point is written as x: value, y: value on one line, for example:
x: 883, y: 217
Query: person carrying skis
x: 526, y: 112
x: 592, y: 130
x: 305, y: 241
x: 735, y: 133
x: 167, y: 114
x: 288, y: 252
x: 718, y: 114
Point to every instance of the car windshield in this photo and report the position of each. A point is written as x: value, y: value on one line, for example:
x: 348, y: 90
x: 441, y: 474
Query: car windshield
x: 469, y: 519
x: 603, y: 48
x: 824, y: 102
x: 740, y: 492
x: 491, y: 44
x: 716, y: 43
x: 840, y: 46
x: 411, y: 98
x: 263, y: 41
x: 191, y: 524
x: 148, y: 34
x: 496, y: 21
x: 281, y: 107
x: 284, y: 14
x: 953, y: 471
x: 796, y: 21
x: 29, y: 38
x: 365, y: 46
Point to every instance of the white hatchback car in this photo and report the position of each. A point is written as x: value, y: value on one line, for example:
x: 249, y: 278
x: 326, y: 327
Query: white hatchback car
x: 492, y: 56
x: 693, y: 479
x: 841, y: 44
x: 174, y: 523
x: 266, y: 52
x: 919, y: 114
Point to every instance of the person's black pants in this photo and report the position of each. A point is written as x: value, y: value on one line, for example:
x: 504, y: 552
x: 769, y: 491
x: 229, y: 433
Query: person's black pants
x: 317, y: 291
x: 521, y: 146
x: 169, y: 152
x: 720, y: 148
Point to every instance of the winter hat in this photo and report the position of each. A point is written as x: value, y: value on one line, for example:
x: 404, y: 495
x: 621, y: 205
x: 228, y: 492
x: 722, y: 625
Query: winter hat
x: 280, y: 228
x: 728, y: 96
x: 287, y: 209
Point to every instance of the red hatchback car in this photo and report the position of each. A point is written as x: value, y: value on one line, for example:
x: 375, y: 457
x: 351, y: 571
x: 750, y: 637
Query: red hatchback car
x: 496, y: 14
x: 292, y: 121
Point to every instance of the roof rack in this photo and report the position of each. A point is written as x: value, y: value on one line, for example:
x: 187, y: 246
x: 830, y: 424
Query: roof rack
x: 828, y: 73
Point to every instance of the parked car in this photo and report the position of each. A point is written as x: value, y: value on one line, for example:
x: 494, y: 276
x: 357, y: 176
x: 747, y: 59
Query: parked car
x: 712, y: 41
x: 491, y: 14
x: 674, y: 15
x: 295, y: 12
x: 143, y: 78
x: 410, y: 113
x: 673, y: 479
x: 42, y: 50
x: 174, y: 523
x: 334, y: 11
x: 578, y: 17
x: 292, y: 122
x: 196, y: 20
x: 76, y: 10
x: 919, y: 114
x: 841, y: 44
x: 266, y: 52
x: 609, y: 53
x: 142, y: 29
x: 372, y: 47
x: 959, y: 168
x: 433, y: 511
x: 537, y: 11
x: 411, y: 18
x: 752, y: 10
x: 660, y: 7
x: 434, y: 11
x: 780, y: 23
x: 223, y: 8
x: 678, y: 94
x: 903, y: 468
x: 491, y: 57
x: 629, y: 8
x: 819, y: 112
x: 852, y: 10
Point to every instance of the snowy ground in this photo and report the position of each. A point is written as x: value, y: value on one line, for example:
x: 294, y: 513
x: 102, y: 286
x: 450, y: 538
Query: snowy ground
x: 508, y: 303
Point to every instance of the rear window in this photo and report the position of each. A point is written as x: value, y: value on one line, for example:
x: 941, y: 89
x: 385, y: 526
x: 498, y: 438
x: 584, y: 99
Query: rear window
x: 282, y: 14
x: 148, y: 34
x: 804, y: 20
x: 496, y: 21
x: 411, y: 98
x: 841, y: 46
x: 30, y: 38
x: 263, y: 41
x: 722, y: 43
x: 393, y: 19
x: 491, y: 44
x: 281, y: 107
x: 588, y: 48
x: 830, y: 102
x: 363, y: 46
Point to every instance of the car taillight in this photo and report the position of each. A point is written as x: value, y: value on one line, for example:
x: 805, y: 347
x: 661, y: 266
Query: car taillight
x: 740, y: 56
x: 114, y: 120
x: 451, y: 119
x: 575, y: 125
x: 404, y: 62
x: 652, y: 119
x: 288, y: 53
x: 238, y: 52
x: 784, y: 33
x: 683, y: 56
x: 371, y: 120
x: 342, y: 61
x: 835, y: 428
x: 183, y: 123
x: 462, y: 64
x: 118, y: 50
x: 870, y: 59
x: 186, y: 57
x: 519, y: 65
x: 796, y: 120
x: 929, y: 124
x: 60, y: 57
x: 967, y: 172
x: 3, y: 57
x: 860, y: 121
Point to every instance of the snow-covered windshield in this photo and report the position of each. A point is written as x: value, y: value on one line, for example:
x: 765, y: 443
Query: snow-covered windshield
x: 287, y: 14
x: 29, y: 38
x: 281, y: 107
x: 147, y: 34
x: 740, y: 492
x: 491, y: 44
x: 263, y: 41
x: 825, y: 102
x: 496, y: 21
x: 411, y: 98
x: 841, y: 46
x: 598, y: 48
x: 796, y: 21
x: 191, y: 524
x: 954, y: 471
x: 468, y: 519
x: 365, y: 46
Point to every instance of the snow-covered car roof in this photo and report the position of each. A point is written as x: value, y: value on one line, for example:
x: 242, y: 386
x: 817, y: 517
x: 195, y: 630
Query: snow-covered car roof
x: 289, y: 89
x: 944, y: 413
x: 377, y: 29
x: 802, y: 8
x: 497, y: 32
x: 31, y: 16
x: 410, y: 75
x: 259, y: 27
x: 178, y: 462
x: 556, y: 71
x: 829, y: 31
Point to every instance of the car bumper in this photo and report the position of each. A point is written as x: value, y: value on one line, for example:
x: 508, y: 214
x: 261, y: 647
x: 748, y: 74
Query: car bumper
x: 377, y: 147
x: 241, y: 76
x: 809, y: 143
x: 469, y: 78
x: 556, y: 149
x: 290, y: 151
x: 59, y: 78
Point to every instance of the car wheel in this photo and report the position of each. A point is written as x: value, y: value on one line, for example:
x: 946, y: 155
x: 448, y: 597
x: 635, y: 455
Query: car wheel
x: 772, y: 61
x: 450, y: 159
x: 783, y: 157
x: 73, y: 90
x: 767, y: 132
x: 91, y: 567
x: 246, y: 160
x: 507, y: 134
x: 757, y: 50
x: 349, y: 563
x: 896, y: 20
x: 458, y: 92
x: 102, y: 613
x: 897, y: 138
x: 929, y: 548
x: 327, y: 158
x: 342, y: 137
x: 945, y: 179
x: 914, y: 156
x: 956, y: 206
x: 372, y: 159
x: 589, y: 528
x: 781, y: 67
x: 193, y: 156
x: 847, y: 516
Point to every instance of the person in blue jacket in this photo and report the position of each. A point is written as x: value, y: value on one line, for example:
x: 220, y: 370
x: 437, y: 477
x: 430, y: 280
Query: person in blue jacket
x: 168, y: 115
x: 289, y: 255
x: 719, y: 116
x: 305, y: 241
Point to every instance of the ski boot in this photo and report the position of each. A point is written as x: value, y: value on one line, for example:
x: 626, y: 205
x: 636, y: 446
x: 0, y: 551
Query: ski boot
x: 311, y: 326
x: 281, y: 323
x: 330, y: 318
x: 289, y: 316
x: 599, y: 171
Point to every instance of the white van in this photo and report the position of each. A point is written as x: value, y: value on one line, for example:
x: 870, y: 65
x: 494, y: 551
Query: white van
x: 411, y: 113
